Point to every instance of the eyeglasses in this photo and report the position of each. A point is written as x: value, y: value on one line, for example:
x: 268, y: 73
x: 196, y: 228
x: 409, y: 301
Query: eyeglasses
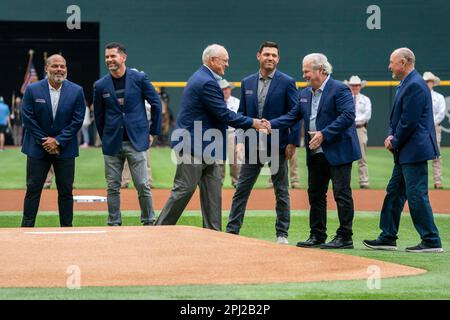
x: 223, y: 60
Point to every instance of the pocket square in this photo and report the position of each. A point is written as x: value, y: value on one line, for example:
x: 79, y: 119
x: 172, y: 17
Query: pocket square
x: 303, y: 100
x: 248, y: 92
x: 106, y: 95
x: 40, y: 101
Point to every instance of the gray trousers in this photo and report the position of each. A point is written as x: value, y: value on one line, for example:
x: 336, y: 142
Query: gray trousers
x: 187, y: 177
x: 113, y: 174
x: 247, y: 177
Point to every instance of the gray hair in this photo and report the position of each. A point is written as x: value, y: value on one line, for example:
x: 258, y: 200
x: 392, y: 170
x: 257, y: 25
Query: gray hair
x: 406, y: 54
x: 211, y: 51
x: 319, y: 62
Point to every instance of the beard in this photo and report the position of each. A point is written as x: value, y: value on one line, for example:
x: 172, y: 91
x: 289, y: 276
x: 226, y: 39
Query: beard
x: 57, y: 78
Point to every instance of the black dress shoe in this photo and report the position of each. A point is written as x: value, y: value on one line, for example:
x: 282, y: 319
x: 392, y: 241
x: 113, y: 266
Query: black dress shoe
x: 381, y: 244
x: 312, y: 242
x: 338, y: 242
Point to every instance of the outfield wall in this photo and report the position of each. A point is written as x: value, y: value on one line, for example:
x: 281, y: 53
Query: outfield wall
x: 166, y: 38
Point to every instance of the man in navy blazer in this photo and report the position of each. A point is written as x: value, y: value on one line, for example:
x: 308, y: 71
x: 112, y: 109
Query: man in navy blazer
x: 328, y: 110
x: 412, y: 140
x: 267, y: 94
x: 199, y: 140
x: 124, y: 129
x: 53, y: 112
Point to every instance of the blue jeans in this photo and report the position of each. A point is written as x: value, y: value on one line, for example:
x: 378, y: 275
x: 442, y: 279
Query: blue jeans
x: 409, y: 182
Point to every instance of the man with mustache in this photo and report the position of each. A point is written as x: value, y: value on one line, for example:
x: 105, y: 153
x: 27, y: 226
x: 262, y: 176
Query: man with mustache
x: 328, y: 110
x: 52, y: 112
x: 126, y: 133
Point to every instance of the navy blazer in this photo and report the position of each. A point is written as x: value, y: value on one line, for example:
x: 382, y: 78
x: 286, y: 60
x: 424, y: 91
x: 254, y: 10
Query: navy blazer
x: 335, y: 119
x: 411, y: 122
x: 111, y: 120
x: 203, y: 102
x: 38, y: 119
x: 281, y: 98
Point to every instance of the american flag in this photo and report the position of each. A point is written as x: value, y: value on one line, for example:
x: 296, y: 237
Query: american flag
x: 30, y: 75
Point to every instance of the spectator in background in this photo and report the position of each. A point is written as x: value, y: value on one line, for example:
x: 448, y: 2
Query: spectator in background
x: 438, y: 115
x: 232, y: 152
x: 85, y: 128
x: 363, y: 113
x: 168, y: 120
x: 4, y: 122
x: 16, y: 121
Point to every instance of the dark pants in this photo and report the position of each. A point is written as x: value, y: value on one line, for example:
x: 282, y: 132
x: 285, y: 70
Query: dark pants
x: 187, y: 177
x: 409, y: 181
x: 37, y: 170
x: 319, y: 174
x: 247, y: 177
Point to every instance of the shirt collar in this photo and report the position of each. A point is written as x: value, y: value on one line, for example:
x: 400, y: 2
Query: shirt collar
x: 53, y: 89
x: 321, y: 87
x: 406, y: 78
x: 270, y: 76
x: 216, y: 76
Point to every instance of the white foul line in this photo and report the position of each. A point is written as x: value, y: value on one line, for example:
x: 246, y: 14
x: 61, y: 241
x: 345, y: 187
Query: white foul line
x: 65, y: 232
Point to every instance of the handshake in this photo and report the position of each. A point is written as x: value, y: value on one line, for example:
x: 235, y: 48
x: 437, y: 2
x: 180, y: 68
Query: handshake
x: 262, y: 125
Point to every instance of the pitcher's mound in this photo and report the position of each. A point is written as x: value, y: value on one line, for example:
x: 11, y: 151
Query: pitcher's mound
x: 168, y: 255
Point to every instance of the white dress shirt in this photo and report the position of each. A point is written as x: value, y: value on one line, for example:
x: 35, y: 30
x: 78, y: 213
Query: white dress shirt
x: 363, y: 109
x: 438, y: 107
x: 55, y: 94
x: 232, y: 105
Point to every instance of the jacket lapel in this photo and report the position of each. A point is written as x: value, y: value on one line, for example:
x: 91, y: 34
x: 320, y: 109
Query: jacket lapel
x: 48, y: 100
x: 62, y: 96
x: 272, y: 87
x: 255, y: 93
x: 110, y: 88
x: 127, y: 87
x: 324, y: 95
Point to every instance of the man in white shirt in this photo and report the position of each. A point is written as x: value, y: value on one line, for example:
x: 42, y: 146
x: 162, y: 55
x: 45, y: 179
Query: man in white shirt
x: 363, y: 113
x: 232, y: 151
x: 438, y: 116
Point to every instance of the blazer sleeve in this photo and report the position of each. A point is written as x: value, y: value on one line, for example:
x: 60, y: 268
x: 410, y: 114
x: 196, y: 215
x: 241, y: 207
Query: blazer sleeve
x: 71, y: 130
x: 99, y: 110
x: 289, y: 119
x: 242, y: 110
x: 154, y: 99
x: 413, y: 103
x: 346, y: 114
x: 29, y: 118
x: 292, y: 99
x: 212, y: 98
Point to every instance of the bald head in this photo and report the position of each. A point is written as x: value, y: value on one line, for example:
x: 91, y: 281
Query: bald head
x: 54, y: 57
x: 216, y: 57
x: 406, y: 54
x: 401, y: 63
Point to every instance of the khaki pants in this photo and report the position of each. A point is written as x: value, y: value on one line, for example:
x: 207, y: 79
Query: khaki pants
x: 437, y: 163
x: 126, y: 174
x: 363, y: 168
x: 232, y: 156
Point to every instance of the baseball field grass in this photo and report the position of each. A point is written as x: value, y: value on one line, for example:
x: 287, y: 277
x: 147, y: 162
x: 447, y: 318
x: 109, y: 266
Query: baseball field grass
x: 89, y: 172
x: 260, y: 224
